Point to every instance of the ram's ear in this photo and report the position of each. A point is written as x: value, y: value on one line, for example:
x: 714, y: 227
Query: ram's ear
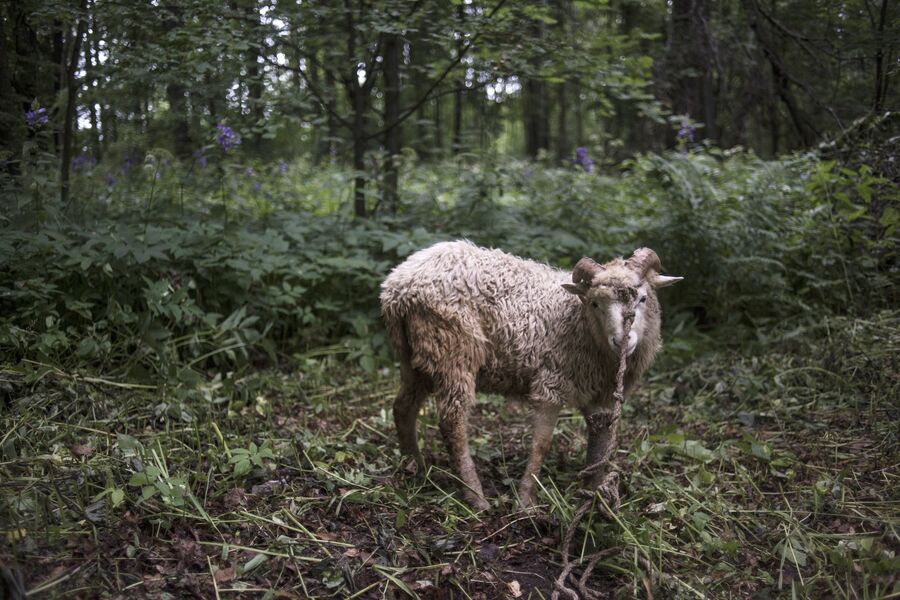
x: 661, y: 281
x: 576, y: 289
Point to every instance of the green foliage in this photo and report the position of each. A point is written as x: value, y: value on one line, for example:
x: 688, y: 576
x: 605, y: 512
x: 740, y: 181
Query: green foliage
x: 245, y: 459
x: 170, y: 287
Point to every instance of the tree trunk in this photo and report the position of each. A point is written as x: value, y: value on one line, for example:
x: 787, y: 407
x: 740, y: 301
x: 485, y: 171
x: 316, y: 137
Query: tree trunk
x: 537, y: 125
x: 319, y: 150
x: 693, y: 92
x: 579, y: 117
x: 331, y: 104
x: 880, y: 87
x: 359, y: 150
x: 392, y: 47
x: 563, y: 149
x: 254, y: 79
x: 806, y: 132
x: 58, y: 58
x: 68, y: 132
x: 178, y: 119
x: 438, y: 126
x: 456, y: 140
x: 90, y: 81
x: 10, y: 110
x: 356, y: 93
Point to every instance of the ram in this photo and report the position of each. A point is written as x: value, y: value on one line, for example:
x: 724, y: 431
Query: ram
x: 464, y: 319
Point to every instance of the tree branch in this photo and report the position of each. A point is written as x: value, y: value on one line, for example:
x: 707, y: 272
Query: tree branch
x: 460, y: 55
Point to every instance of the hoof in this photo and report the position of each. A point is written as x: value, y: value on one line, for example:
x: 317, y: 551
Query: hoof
x: 413, y: 465
x: 526, y: 501
x: 478, y: 503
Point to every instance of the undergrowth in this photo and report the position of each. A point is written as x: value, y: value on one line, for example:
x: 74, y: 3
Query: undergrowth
x: 767, y: 471
x: 162, y: 277
x: 195, y: 388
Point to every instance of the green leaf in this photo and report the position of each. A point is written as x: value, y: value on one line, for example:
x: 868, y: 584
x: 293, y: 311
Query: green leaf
x: 254, y: 562
x: 116, y: 496
x: 128, y: 445
x: 139, y: 479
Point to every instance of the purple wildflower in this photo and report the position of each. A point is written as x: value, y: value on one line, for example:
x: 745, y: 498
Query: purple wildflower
x: 249, y: 172
x: 36, y: 118
x: 110, y: 179
x: 127, y: 165
x: 282, y: 167
x: 686, y: 133
x: 257, y: 186
x: 83, y: 163
x: 583, y: 160
x: 226, y: 137
x: 202, y: 159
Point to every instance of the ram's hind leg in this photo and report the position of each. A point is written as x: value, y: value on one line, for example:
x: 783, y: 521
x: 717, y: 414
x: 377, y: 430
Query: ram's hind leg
x: 456, y: 395
x: 451, y: 351
x: 413, y: 391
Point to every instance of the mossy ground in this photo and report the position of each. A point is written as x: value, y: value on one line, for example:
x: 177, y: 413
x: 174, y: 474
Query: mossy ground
x: 757, y: 469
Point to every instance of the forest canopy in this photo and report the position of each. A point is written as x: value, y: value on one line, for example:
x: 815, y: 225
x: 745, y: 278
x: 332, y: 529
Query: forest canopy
x: 363, y: 83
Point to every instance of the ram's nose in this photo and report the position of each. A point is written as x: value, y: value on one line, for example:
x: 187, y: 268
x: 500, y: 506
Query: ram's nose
x: 614, y: 342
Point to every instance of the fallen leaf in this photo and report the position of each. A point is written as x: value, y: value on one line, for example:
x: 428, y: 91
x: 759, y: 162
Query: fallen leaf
x: 80, y: 450
x: 514, y: 588
x: 224, y: 575
x: 235, y: 497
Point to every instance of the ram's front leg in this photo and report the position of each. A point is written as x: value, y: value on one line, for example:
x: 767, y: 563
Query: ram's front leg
x: 602, y: 426
x: 543, y: 423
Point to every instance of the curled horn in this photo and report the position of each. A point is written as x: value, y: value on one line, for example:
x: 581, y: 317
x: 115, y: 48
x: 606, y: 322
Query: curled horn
x: 642, y: 261
x: 585, y: 270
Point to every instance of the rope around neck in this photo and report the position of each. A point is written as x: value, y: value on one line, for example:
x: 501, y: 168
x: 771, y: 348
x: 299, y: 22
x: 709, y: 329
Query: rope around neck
x: 608, y: 487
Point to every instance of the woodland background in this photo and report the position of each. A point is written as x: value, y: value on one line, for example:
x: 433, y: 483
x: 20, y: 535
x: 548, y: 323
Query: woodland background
x: 198, y: 201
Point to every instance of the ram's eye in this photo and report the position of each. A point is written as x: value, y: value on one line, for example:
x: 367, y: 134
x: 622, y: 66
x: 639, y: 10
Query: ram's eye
x: 643, y: 299
x: 594, y: 303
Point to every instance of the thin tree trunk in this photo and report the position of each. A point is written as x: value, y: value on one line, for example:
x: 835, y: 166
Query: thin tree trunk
x: 537, y: 125
x: 178, y: 119
x: 90, y: 81
x: 331, y: 104
x: 562, y: 134
x: 880, y: 88
x: 211, y: 105
x: 782, y: 81
x: 438, y: 126
x: 9, y: 104
x: 359, y: 150
x: 254, y: 79
x: 579, y: 117
x: 59, y: 59
x: 68, y: 132
x: 356, y: 94
x: 319, y: 149
x: 392, y: 47
x: 456, y: 141
x: 689, y: 61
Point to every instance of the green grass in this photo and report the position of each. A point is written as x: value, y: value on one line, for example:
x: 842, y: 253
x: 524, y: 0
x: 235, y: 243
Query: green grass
x: 751, y: 470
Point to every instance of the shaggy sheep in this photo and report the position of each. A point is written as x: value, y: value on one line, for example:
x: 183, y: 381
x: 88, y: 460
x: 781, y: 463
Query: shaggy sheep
x: 464, y: 319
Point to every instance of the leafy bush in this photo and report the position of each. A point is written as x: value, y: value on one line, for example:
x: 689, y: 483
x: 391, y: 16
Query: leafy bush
x: 165, y: 275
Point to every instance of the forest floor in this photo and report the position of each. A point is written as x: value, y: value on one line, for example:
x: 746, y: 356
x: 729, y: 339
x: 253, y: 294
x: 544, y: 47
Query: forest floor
x: 757, y: 470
